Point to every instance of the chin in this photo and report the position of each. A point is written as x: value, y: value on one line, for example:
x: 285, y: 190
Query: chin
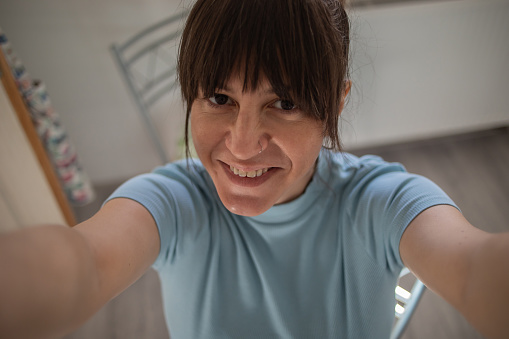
x: 245, y: 206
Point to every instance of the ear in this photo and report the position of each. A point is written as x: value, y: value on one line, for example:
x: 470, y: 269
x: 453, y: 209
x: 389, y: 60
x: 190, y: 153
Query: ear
x: 348, y: 86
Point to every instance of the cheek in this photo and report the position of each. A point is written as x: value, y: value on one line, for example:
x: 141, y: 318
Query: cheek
x: 199, y: 135
x: 308, y: 138
x: 205, y: 132
x: 306, y: 147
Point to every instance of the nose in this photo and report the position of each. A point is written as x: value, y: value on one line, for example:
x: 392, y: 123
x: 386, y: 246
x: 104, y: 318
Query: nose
x: 246, y: 136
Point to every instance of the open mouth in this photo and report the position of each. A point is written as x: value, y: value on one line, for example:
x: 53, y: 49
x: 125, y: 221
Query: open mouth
x: 250, y: 174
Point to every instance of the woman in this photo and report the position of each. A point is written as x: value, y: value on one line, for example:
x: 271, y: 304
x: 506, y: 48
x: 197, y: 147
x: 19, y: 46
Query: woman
x: 272, y: 233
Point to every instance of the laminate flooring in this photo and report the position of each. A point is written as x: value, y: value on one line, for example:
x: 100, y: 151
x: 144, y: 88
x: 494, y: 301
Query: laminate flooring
x: 471, y: 168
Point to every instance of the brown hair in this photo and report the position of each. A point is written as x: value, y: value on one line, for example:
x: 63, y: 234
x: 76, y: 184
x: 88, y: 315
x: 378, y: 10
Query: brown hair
x: 301, y: 46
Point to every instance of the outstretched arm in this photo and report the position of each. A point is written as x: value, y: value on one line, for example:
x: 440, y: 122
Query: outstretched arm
x: 53, y: 278
x: 466, y: 266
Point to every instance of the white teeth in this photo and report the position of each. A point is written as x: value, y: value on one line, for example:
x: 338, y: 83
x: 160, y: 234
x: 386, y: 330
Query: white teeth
x: 251, y: 174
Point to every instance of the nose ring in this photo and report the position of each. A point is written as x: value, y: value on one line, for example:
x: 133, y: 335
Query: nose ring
x: 261, y: 147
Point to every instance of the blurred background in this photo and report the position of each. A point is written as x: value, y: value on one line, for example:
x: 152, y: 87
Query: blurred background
x: 430, y: 89
x: 420, y: 69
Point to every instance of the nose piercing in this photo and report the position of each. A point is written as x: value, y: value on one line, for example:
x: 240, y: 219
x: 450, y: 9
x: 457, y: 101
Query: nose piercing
x: 261, y: 150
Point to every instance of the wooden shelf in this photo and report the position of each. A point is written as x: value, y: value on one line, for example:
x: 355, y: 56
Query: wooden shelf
x: 25, y: 120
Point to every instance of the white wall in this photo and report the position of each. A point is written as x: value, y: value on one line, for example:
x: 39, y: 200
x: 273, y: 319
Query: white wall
x: 421, y: 70
x: 67, y: 45
x: 26, y: 197
x: 428, y: 69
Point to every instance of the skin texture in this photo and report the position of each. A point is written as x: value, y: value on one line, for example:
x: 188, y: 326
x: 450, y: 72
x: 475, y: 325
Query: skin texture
x: 47, y: 271
x: 464, y: 265
x: 233, y: 134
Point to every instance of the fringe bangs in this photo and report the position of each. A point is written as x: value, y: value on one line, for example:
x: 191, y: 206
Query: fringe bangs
x: 296, y: 44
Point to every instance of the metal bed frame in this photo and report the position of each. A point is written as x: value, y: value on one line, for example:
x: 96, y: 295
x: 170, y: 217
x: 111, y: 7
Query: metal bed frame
x: 147, y: 62
x: 406, y: 302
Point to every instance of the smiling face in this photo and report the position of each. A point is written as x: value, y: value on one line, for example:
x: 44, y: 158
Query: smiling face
x: 239, y: 63
x: 230, y: 128
x: 301, y: 46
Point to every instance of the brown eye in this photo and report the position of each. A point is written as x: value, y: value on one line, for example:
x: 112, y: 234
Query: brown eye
x: 220, y: 99
x: 285, y: 105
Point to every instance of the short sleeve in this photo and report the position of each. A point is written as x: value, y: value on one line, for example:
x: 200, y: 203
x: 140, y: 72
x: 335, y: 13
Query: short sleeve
x: 384, y: 202
x: 169, y: 202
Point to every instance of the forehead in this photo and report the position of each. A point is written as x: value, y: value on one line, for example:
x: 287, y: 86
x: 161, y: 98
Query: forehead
x: 237, y: 83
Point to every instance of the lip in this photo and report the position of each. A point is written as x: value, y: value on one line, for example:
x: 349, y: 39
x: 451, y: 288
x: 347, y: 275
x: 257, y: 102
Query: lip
x: 245, y: 181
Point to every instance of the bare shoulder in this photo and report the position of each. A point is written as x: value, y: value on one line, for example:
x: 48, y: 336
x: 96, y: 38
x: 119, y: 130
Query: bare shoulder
x: 124, y: 240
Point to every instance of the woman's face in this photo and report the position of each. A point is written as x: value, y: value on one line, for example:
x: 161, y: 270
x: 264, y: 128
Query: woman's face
x: 229, y: 130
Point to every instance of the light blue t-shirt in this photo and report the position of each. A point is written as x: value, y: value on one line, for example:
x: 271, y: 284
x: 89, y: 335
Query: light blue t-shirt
x: 322, y: 266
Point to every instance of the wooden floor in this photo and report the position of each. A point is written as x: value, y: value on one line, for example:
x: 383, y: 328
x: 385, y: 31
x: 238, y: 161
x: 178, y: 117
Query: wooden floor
x: 472, y: 168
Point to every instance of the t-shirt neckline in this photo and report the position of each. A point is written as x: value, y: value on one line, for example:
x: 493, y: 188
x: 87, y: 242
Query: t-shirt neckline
x: 293, y: 209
